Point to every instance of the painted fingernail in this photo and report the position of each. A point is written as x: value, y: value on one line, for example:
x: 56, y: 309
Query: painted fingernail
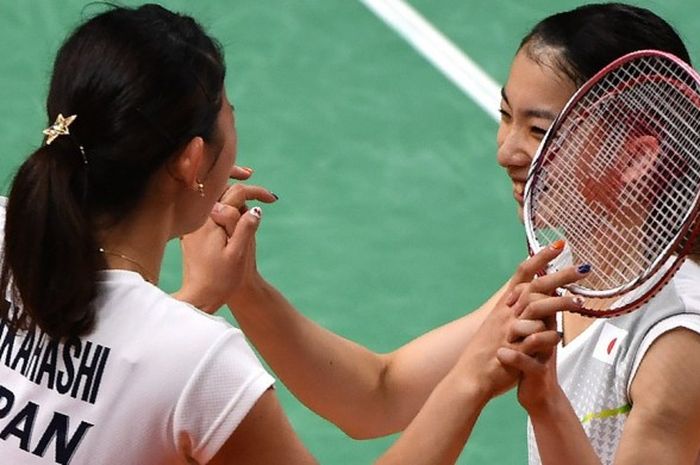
x: 561, y: 334
x: 558, y: 245
x: 256, y: 212
x: 578, y: 300
x: 583, y: 269
x: 277, y: 197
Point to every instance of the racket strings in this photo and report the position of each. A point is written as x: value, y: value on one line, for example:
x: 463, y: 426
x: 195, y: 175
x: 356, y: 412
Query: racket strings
x: 607, y: 248
x: 653, y: 94
x: 624, y: 268
x: 621, y: 225
x: 597, y: 255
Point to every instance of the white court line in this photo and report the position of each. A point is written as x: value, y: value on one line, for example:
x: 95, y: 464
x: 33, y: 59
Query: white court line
x: 442, y: 53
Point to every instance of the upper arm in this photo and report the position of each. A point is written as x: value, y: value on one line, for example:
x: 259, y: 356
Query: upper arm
x: 264, y: 437
x: 664, y: 423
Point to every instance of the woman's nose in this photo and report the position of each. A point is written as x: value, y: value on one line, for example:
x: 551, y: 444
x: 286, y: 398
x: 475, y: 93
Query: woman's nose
x: 512, y: 152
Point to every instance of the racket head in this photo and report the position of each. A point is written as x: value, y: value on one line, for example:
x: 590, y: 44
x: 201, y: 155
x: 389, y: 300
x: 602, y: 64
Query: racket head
x: 617, y: 176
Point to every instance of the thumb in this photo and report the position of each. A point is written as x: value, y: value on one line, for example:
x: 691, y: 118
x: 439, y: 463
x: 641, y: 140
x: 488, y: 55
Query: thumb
x: 245, y: 229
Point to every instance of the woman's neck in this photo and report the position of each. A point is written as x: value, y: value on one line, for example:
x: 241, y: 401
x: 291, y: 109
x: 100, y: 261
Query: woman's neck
x: 136, y: 244
x: 574, y: 324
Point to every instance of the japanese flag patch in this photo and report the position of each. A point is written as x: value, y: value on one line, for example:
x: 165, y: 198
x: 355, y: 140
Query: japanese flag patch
x: 608, y: 344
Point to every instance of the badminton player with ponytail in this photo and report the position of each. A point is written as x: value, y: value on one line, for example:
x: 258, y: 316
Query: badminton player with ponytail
x: 97, y: 364
x: 633, y: 380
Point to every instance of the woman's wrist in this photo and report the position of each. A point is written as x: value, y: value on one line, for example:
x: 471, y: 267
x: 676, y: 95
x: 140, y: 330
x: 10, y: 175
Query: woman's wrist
x: 547, y: 405
x: 252, y: 290
x: 467, y: 386
x: 196, y: 299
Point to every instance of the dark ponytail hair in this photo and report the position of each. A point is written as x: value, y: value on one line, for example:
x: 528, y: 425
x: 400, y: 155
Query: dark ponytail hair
x: 582, y: 41
x: 143, y: 82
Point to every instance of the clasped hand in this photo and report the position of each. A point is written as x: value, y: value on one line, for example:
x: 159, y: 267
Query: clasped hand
x: 219, y: 257
x: 521, y: 324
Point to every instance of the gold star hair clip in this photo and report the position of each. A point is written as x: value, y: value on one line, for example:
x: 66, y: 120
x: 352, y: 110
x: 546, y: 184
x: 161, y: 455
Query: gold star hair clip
x: 58, y: 128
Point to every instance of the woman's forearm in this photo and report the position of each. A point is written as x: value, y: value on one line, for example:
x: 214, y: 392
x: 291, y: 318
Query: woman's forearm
x: 560, y: 436
x: 439, y: 432
x: 333, y: 376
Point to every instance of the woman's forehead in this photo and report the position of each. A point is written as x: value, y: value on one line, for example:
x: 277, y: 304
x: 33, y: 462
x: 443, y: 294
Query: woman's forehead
x: 536, y: 86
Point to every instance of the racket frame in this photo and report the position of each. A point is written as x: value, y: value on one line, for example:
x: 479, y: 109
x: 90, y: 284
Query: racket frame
x: 679, y: 247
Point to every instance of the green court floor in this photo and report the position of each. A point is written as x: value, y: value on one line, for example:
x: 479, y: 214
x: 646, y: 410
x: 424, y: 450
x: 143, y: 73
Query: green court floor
x: 393, y: 215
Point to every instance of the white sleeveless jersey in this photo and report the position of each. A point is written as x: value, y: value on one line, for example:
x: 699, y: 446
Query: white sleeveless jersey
x: 156, y: 382
x: 596, y: 369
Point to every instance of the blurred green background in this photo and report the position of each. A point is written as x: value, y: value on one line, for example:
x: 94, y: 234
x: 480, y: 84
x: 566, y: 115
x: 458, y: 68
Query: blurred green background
x: 394, y: 217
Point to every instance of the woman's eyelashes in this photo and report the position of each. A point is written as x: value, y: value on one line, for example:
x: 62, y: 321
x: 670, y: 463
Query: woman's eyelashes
x: 505, y: 116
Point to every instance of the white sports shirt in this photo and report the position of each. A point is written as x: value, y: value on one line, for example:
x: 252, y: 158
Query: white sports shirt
x: 597, y: 368
x: 156, y: 382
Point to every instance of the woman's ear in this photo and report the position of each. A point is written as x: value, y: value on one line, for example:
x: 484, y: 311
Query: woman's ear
x: 640, y: 158
x: 185, y: 166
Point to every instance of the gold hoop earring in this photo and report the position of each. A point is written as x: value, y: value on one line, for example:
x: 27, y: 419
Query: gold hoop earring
x: 200, y: 187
